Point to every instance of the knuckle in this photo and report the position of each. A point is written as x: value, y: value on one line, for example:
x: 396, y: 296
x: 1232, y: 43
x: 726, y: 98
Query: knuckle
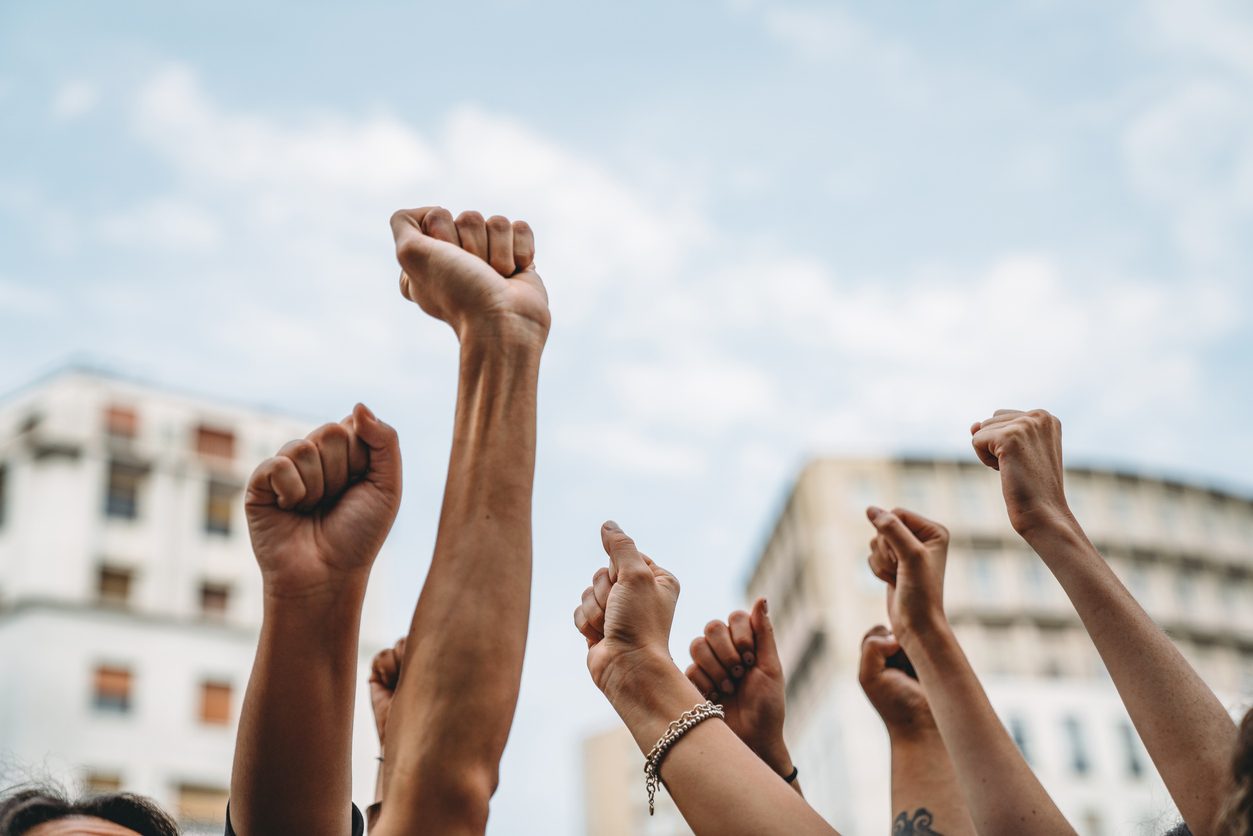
x: 714, y: 627
x: 499, y: 223
x: 470, y: 218
x: 695, y: 646
x: 522, y: 227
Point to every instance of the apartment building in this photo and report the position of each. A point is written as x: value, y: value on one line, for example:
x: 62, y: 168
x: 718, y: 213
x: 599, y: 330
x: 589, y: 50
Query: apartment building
x: 130, y: 602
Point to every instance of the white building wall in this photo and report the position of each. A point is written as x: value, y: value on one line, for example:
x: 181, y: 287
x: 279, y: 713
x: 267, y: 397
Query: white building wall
x: 53, y: 629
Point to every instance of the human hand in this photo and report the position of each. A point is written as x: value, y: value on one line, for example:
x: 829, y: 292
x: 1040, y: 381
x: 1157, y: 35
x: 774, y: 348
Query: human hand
x: 472, y: 273
x: 1026, y: 447
x: 626, y: 613
x: 384, y: 677
x: 897, y: 696
x: 736, y: 663
x: 319, y: 511
x: 909, y: 553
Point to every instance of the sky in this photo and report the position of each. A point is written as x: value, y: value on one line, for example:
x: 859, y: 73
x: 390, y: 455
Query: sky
x: 769, y: 231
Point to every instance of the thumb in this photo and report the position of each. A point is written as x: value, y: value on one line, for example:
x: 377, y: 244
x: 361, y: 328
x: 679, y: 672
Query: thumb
x: 625, y: 559
x: 413, y: 246
x: 876, y: 646
x: 896, y: 533
x: 385, y: 467
x: 763, y: 634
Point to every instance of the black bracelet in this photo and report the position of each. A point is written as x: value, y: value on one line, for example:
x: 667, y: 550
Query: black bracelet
x: 795, y: 771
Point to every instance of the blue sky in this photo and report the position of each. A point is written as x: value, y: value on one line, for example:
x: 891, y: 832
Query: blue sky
x: 769, y: 230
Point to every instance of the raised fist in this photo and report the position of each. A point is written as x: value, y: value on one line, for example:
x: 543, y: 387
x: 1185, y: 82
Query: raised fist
x: 384, y: 677
x: 319, y: 511
x: 895, y: 694
x: 626, y: 613
x: 471, y: 271
x: 737, y: 664
x: 909, y: 553
x: 1026, y: 447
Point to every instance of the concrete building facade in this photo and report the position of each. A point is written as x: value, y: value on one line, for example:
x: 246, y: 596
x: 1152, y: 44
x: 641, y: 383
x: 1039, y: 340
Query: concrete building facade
x: 130, y: 602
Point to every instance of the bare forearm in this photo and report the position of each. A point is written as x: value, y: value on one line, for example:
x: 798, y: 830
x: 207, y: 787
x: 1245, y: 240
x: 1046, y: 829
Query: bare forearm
x: 925, y: 787
x: 293, y: 762
x: 1185, y: 729
x: 707, y: 771
x: 459, y: 683
x: 1001, y: 793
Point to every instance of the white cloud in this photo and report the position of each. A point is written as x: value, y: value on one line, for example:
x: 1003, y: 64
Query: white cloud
x: 1192, y: 153
x: 167, y: 224
x: 74, y: 99
x: 626, y: 448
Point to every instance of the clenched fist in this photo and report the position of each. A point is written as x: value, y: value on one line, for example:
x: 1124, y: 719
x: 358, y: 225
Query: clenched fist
x: 737, y: 664
x: 471, y: 272
x: 384, y: 677
x: 1026, y: 447
x: 909, y: 553
x: 897, y: 696
x: 319, y: 511
x: 627, y: 611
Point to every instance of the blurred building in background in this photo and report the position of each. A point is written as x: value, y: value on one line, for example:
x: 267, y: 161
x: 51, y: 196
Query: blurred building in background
x: 130, y: 602
x: 1184, y: 550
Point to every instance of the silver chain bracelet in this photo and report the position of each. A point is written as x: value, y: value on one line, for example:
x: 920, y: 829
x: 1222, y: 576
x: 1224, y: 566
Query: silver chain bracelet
x: 687, y: 720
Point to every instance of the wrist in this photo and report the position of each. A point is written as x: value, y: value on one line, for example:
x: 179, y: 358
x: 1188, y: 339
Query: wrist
x: 1045, y: 521
x: 923, y: 634
x: 344, y: 590
x: 918, y: 730
x: 503, y: 332
x: 776, y: 756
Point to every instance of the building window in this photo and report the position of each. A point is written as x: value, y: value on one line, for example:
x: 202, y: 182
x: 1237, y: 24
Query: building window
x: 983, y: 571
x: 122, y: 498
x: 112, y: 689
x: 216, y: 442
x: 201, y: 805
x: 113, y: 584
x: 1131, y: 748
x: 219, y: 502
x: 214, y: 599
x: 215, y: 703
x: 101, y: 783
x: 1018, y: 731
x: 1079, y: 763
x: 4, y: 483
x: 121, y: 422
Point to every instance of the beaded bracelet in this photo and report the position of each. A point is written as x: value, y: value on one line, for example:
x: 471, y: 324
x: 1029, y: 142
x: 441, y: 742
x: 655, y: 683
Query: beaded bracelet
x: 687, y: 720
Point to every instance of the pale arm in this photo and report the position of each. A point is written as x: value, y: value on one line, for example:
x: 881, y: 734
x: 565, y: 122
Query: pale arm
x: 719, y: 785
x: 1186, y: 730
x: 925, y: 787
x: 1001, y: 792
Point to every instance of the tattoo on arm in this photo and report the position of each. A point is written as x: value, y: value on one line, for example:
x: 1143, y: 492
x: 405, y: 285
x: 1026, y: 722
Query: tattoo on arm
x: 917, y: 825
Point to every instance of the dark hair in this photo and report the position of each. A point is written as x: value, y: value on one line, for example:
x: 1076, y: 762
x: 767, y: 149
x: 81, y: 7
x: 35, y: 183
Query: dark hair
x: 23, y: 809
x: 1237, y: 816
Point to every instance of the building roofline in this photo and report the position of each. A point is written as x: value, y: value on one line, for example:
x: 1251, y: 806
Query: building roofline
x: 75, y: 365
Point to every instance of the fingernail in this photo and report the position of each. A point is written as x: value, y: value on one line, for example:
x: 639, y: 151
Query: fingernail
x: 610, y: 525
x: 368, y: 412
x: 749, y: 659
x: 873, y: 512
x: 737, y: 671
x: 727, y: 687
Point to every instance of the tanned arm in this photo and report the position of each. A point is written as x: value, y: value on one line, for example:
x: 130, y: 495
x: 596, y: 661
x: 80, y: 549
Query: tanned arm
x: 454, y: 705
x: 318, y: 514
